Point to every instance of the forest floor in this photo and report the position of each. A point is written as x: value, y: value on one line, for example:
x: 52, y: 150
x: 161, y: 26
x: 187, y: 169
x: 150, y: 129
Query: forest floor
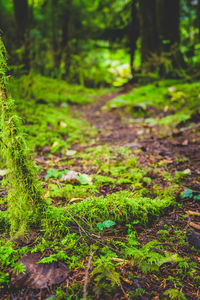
x: 141, y: 254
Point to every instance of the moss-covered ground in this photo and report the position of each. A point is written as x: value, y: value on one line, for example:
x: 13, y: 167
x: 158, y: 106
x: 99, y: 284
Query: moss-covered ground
x: 118, y: 222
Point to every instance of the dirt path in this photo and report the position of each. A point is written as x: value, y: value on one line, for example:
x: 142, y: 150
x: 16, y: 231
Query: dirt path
x: 179, y: 148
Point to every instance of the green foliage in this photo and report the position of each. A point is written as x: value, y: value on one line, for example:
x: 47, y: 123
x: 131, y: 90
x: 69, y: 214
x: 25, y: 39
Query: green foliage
x: 19, y: 268
x: 63, y: 129
x: 104, y: 269
x: 174, y: 294
x: 138, y: 293
x: 182, y: 174
x: 116, y: 162
x: 4, y: 278
x: 120, y: 207
x: 70, y: 191
x: 149, y: 258
x: 187, y: 194
x: 3, y: 66
x: 179, y: 101
x: 163, y: 233
x: 105, y: 224
x: 40, y: 88
x: 197, y: 197
x: 52, y: 173
x: 61, y: 255
x: 84, y: 179
x: 8, y: 259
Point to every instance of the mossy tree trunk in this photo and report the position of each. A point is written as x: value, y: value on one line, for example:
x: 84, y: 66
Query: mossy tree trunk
x: 148, y: 30
x: 25, y: 202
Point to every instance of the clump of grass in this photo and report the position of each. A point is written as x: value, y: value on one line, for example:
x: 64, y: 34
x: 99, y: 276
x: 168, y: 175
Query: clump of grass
x: 24, y: 190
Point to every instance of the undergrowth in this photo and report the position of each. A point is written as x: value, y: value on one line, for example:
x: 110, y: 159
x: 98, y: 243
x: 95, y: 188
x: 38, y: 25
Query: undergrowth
x: 103, y: 214
x: 44, y: 105
x: 173, y: 102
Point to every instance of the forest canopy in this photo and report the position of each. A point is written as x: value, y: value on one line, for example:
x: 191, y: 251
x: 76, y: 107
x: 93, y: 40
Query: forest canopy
x: 96, y: 42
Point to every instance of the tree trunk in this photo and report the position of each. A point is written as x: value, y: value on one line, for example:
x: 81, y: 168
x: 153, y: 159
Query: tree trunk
x: 21, y: 12
x: 60, y: 41
x: 134, y: 33
x: 169, y: 30
x: 148, y: 29
x: 198, y: 17
x: 168, y: 27
x: 21, y: 17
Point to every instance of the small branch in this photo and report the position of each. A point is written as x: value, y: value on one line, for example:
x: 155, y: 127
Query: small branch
x: 86, y: 277
x: 194, y: 225
x: 192, y: 213
x: 89, y: 234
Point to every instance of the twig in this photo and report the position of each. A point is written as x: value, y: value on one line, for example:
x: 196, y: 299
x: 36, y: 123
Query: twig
x: 79, y: 226
x: 84, y: 220
x: 194, y: 225
x: 89, y: 234
x: 69, y: 250
x: 86, y: 277
x: 192, y: 213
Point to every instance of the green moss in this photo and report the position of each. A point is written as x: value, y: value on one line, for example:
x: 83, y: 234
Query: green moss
x: 40, y: 88
x: 121, y: 207
x: 175, y: 101
x: 42, y: 103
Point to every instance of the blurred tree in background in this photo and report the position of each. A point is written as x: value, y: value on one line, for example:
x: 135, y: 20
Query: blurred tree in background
x: 94, y: 42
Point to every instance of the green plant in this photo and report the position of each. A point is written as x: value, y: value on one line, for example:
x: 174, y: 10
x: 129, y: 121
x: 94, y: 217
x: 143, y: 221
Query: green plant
x: 105, y: 224
x: 104, y: 269
x: 138, y: 293
x: 163, y: 234
x: 187, y: 194
x: 174, y: 280
x: 149, y: 257
x: 174, y: 294
x: 4, y: 279
x: 19, y: 268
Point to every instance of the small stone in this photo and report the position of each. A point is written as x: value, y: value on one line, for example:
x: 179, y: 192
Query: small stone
x: 71, y: 177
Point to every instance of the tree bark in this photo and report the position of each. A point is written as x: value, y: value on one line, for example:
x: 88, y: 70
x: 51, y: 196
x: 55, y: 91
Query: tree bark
x: 168, y: 23
x: 60, y: 42
x: 198, y: 17
x: 21, y: 17
x: 148, y: 29
x: 21, y: 11
x: 134, y: 33
x: 169, y: 31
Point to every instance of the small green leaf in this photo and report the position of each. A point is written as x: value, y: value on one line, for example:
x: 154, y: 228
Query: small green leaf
x: 52, y: 173
x: 108, y: 223
x: 197, y: 197
x: 187, y: 194
x: 84, y: 179
x: 105, y: 224
x: 100, y: 226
